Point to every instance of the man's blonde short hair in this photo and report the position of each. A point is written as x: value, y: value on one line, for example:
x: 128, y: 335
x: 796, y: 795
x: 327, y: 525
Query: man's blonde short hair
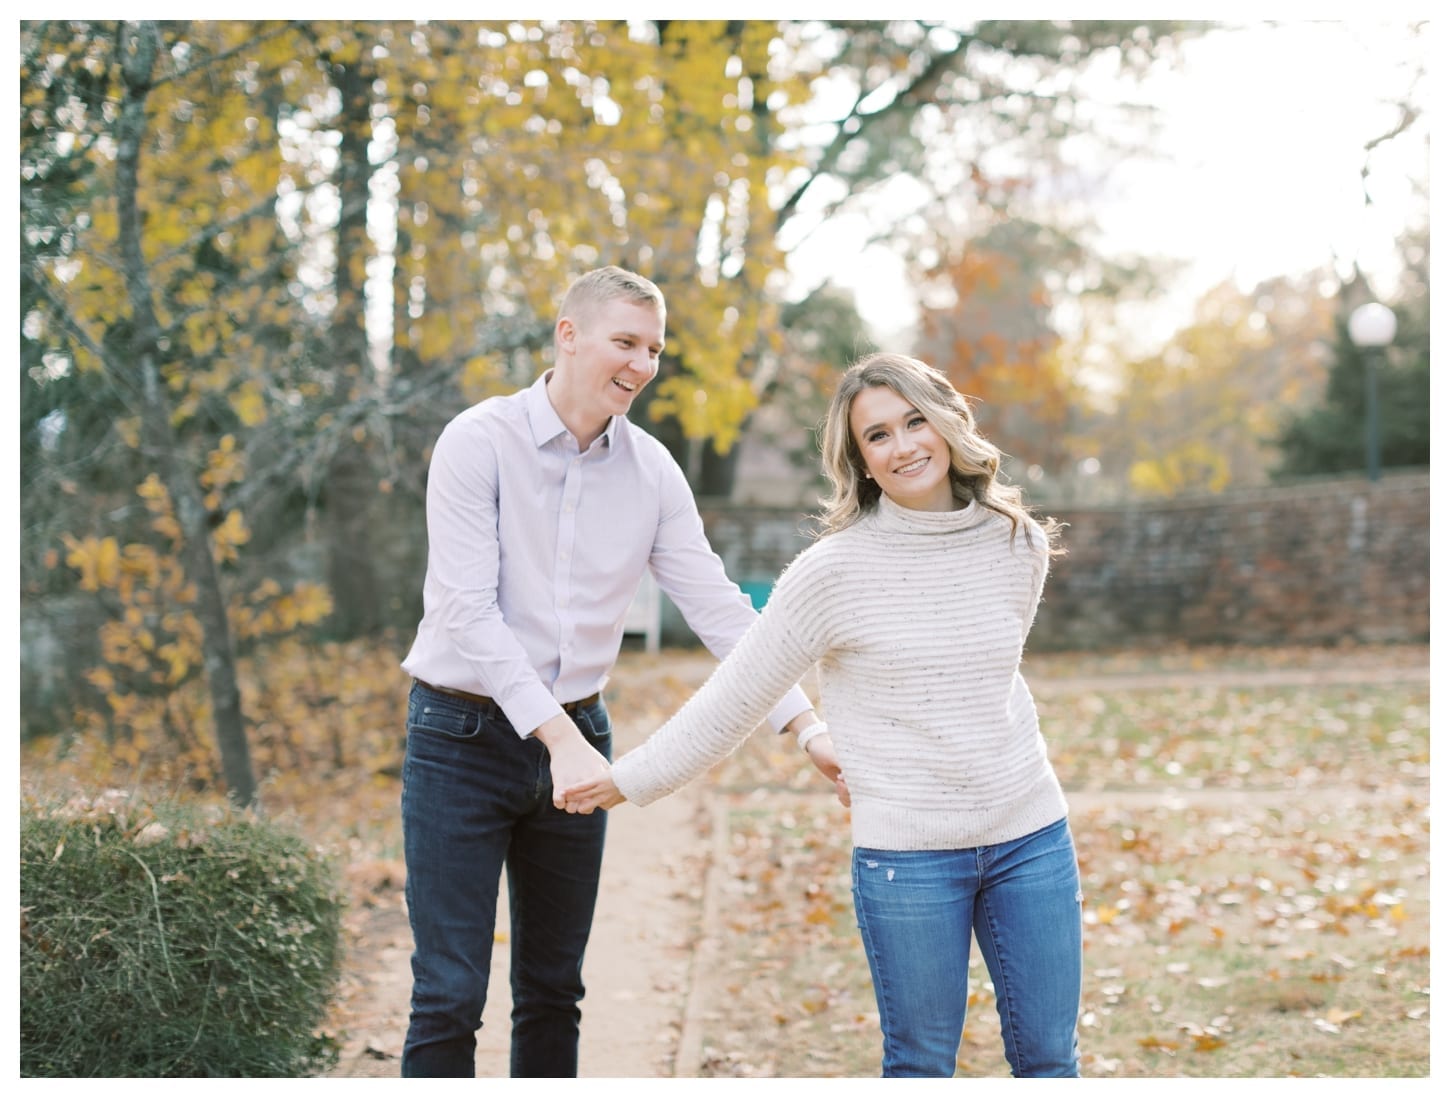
x: 605, y: 284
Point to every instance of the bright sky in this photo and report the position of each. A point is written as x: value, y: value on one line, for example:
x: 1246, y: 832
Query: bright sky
x: 1266, y: 133
x: 1257, y: 172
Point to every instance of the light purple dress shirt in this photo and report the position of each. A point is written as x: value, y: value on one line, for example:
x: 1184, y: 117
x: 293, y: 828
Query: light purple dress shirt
x: 535, y: 551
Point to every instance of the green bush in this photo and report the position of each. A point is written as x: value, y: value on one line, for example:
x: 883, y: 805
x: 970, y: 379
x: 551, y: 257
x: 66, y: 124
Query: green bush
x: 162, y: 940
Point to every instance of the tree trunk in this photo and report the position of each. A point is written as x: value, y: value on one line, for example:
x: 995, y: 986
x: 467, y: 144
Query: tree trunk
x: 139, y: 45
x: 717, y: 471
x: 350, y: 486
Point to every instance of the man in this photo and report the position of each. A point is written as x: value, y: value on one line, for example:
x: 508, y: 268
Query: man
x: 545, y: 507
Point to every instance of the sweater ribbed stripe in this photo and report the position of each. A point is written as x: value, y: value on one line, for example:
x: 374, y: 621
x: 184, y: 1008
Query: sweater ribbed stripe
x: 918, y: 622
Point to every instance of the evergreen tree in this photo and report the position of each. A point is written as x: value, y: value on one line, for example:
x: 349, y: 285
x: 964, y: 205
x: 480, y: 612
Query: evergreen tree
x: 1330, y: 438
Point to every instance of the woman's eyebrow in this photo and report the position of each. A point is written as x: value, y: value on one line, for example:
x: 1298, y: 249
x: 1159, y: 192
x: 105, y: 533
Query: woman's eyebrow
x: 873, y: 426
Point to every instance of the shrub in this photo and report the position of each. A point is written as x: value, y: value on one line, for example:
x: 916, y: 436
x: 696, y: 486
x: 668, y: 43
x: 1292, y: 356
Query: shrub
x: 167, y: 940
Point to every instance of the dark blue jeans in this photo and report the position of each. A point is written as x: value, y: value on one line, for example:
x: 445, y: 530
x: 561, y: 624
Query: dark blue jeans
x: 918, y: 911
x: 478, y: 800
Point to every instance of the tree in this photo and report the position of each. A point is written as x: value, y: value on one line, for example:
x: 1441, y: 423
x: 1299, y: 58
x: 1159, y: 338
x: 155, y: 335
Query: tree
x: 959, y: 130
x: 262, y: 263
x: 1201, y: 414
x: 1003, y: 92
x: 514, y: 156
x: 1330, y: 436
x: 986, y: 322
x: 149, y: 261
x: 823, y: 335
x: 348, y: 477
x: 225, y: 181
x: 138, y: 56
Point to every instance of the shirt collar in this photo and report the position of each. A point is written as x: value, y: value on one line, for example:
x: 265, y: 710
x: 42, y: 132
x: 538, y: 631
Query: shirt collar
x: 544, y: 421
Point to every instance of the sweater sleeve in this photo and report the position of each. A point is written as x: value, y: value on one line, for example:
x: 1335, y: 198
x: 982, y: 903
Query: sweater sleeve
x: 774, y: 653
x: 1037, y: 543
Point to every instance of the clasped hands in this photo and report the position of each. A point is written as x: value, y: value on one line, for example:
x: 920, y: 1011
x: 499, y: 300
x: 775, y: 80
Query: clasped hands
x: 581, y: 775
x: 583, y: 780
x: 584, y: 797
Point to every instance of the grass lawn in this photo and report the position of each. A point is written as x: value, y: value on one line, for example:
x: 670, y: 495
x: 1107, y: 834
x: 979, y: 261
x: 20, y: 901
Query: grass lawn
x: 1255, y: 865
x: 1252, y: 829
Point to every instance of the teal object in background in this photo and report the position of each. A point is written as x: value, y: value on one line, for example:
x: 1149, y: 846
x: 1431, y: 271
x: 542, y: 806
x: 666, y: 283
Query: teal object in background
x: 758, y: 590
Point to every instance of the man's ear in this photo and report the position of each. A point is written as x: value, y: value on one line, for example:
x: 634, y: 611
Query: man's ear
x: 564, y: 334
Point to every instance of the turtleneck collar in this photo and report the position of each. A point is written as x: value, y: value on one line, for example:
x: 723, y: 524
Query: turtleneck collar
x: 890, y: 515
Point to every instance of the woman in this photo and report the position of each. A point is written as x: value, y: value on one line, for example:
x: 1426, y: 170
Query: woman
x: 916, y: 605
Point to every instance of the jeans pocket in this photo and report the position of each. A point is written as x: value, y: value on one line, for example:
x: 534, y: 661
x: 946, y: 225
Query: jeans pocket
x: 596, y: 726
x: 431, y: 714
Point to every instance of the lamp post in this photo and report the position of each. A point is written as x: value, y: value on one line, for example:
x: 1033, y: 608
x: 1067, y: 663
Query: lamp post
x: 1371, y: 330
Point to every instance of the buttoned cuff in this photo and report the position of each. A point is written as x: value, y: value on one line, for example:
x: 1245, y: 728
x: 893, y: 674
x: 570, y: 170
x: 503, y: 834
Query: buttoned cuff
x: 529, y: 708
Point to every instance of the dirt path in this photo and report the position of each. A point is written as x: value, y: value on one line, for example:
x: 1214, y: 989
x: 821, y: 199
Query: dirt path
x: 638, y: 969
x: 641, y: 958
x: 656, y: 924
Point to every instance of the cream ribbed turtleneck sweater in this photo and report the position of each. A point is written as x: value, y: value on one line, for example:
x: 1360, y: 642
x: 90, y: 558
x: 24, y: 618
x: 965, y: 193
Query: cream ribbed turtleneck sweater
x: 917, y: 621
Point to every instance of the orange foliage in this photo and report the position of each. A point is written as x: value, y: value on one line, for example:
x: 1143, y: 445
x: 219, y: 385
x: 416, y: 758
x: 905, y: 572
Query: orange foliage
x: 992, y: 338
x: 319, y: 714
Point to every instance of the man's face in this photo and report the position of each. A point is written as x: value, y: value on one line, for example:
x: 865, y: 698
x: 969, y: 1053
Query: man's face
x: 612, y: 353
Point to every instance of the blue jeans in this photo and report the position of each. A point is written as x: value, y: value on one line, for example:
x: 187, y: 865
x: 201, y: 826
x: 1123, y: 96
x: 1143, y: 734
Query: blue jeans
x: 918, y: 910
x: 477, y: 800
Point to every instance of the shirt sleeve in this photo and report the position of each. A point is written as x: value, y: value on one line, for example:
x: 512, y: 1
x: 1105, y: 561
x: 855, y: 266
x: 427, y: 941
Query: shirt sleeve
x: 691, y: 573
x: 727, y: 708
x: 463, y: 558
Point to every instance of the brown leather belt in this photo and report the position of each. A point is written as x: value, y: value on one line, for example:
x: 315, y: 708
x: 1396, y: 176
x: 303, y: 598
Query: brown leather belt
x: 478, y: 699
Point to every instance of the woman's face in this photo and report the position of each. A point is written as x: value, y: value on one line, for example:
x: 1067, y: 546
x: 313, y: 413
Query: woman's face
x: 903, y: 452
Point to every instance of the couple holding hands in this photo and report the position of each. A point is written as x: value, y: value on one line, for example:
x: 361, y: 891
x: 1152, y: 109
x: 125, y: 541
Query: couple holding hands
x: 544, y: 509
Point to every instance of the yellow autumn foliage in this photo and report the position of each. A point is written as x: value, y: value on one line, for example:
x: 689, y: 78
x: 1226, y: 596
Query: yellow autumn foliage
x: 231, y: 534
x: 320, y: 713
x: 98, y: 560
x: 225, y: 465
x: 1194, y: 466
x: 523, y: 153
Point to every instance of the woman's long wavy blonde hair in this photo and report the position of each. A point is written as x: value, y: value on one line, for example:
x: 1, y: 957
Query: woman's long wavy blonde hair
x: 975, y: 461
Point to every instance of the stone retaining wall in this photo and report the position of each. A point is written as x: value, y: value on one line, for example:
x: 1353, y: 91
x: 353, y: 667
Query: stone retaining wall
x: 1314, y: 562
